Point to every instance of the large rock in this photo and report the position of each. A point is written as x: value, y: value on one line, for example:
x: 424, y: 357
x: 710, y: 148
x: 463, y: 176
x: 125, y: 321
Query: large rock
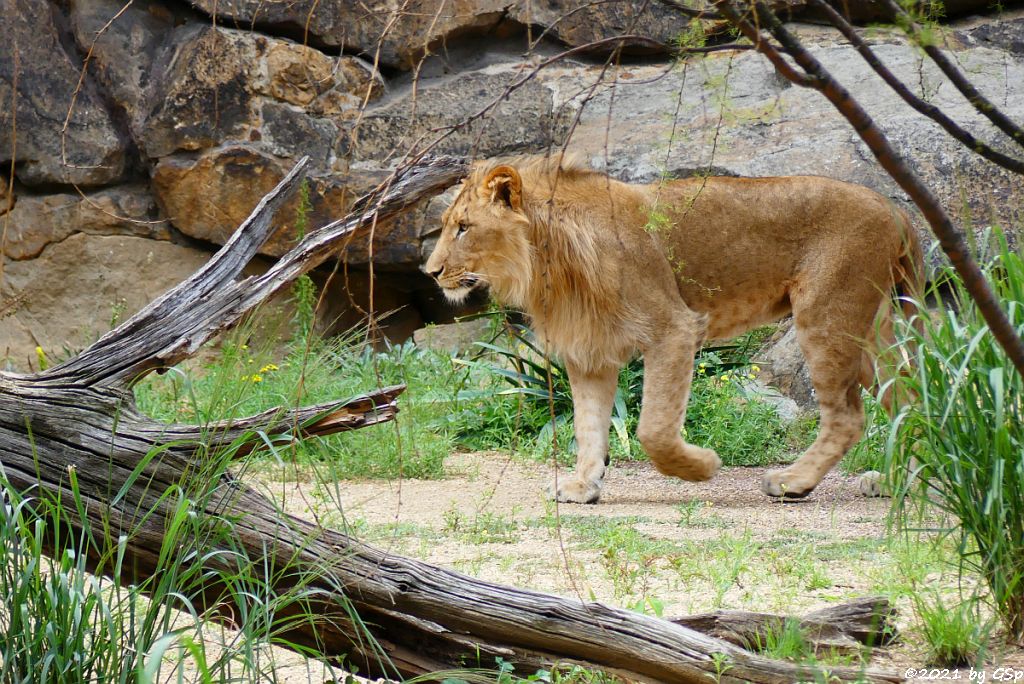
x: 126, y: 41
x: 399, y: 34
x: 84, y: 148
x: 783, y: 366
x: 230, y: 85
x: 209, y: 196
x: 69, y: 296
x: 38, y: 221
x: 522, y: 120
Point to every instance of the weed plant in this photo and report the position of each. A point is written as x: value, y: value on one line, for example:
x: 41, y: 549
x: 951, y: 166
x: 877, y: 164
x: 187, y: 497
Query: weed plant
x: 533, y: 399
x: 955, y: 631
x: 62, y: 622
x: 242, y: 381
x: 958, y: 448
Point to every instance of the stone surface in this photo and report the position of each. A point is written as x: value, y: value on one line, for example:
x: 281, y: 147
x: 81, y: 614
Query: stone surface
x: 736, y: 117
x: 126, y: 48
x: 524, y: 120
x: 230, y: 85
x: 1006, y: 34
x: 7, y: 198
x: 208, y: 197
x: 782, y: 366
x: 69, y: 295
x: 38, y: 221
x: 206, y: 94
x: 40, y: 77
x: 454, y: 338
x: 398, y: 34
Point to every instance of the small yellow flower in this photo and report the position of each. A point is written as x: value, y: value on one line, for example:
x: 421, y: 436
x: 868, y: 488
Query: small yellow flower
x: 268, y: 368
x: 756, y: 369
x: 44, y: 362
x: 751, y: 376
x: 256, y: 378
x: 244, y: 347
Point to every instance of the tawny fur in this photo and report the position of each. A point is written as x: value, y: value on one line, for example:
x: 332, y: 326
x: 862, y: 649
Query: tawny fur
x: 606, y: 270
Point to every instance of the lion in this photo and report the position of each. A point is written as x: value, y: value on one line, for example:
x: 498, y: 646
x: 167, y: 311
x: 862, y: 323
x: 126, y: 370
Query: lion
x: 606, y: 270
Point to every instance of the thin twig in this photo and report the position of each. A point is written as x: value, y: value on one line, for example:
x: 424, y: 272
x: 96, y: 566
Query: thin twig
x: 950, y: 237
x: 982, y: 104
x: 926, y: 108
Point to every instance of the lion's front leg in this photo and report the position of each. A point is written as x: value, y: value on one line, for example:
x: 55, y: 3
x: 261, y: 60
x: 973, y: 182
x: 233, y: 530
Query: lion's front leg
x: 593, y: 393
x: 668, y: 372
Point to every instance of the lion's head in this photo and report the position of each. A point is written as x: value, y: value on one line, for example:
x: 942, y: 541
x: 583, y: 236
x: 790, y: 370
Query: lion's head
x: 485, y: 238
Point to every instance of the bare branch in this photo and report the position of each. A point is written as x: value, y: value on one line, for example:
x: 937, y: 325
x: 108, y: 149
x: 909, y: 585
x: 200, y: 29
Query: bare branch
x: 928, y: 109
x: 950, y: 237
x: 176, y: 324
x: 982, y: 104
x: 375, y: 407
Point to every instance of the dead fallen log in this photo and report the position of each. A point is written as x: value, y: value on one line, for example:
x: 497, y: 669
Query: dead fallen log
x: 843, y: 629
x: 78, y: 419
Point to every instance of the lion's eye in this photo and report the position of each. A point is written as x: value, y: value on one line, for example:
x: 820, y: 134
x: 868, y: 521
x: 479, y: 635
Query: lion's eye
x: 462, y: 230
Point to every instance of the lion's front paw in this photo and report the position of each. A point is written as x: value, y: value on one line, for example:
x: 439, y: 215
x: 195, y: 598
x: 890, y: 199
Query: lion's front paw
x: 576, y: 491
x: 787, y: 483
x: 872, y: 484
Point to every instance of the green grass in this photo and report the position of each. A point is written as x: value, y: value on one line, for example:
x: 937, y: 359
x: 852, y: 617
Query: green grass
x: 242, y: 381
x: 450, y: 403
x: 517, y: 400
x: 956, y: 450
x: 63, y: 624
x: 954, y: 630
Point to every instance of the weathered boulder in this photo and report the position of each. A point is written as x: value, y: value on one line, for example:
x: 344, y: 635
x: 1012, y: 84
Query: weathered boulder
x: 399, y: 34
x: 58, y: 129
x: 522, y: 120
x: 208, y: 197
x: 230, y: 85
x: 454, y: 338
x: 72, y: 292
x: 40, y: 220
x: 782, y: 366
x: 1006, y: 34
x: 124, y: 51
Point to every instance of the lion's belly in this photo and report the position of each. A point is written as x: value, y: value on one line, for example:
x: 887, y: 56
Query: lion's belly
x: 734, y: 313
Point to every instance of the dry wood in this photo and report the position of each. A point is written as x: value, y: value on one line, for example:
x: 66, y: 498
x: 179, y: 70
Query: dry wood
x: 78, y: 420
x: 844, y: 628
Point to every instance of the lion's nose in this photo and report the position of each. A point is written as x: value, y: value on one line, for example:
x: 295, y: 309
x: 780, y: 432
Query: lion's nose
x: 435, y: 273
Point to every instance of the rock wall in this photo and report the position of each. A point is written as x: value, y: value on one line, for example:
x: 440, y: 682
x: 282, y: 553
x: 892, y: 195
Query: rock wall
x: 140, y: 135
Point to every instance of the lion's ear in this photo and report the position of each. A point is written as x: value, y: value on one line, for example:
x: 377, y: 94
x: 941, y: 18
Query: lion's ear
x: 504, y: 185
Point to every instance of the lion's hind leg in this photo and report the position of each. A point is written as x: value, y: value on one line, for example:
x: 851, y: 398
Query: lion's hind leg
x: 831, y: 333
x: 668, y: 372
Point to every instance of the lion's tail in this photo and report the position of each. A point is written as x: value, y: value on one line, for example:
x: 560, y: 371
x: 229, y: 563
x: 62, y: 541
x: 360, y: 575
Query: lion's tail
x: 909, y: 287
x: 909, y: 277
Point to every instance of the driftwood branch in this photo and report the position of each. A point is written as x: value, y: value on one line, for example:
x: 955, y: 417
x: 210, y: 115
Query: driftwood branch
x: 844, y: 628
x: 757, y: 15
x: 79, y: 420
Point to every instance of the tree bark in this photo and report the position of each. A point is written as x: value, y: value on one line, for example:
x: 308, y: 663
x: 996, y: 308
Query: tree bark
x: 843, y: 628
x: 76, y: 424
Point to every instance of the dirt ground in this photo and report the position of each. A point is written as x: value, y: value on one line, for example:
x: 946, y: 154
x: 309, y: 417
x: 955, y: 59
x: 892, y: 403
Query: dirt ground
x: 653, y: 543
